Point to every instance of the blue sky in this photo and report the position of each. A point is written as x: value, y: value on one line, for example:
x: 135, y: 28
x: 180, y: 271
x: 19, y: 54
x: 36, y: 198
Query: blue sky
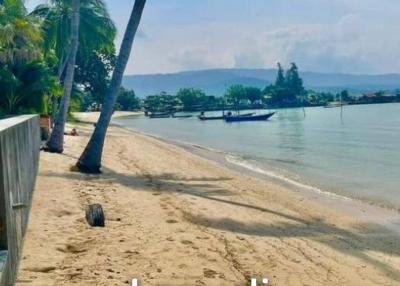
x: 350, y: 36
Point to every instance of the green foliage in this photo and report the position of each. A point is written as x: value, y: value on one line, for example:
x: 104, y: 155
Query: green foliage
x: 288, y: 90
x: 25, y: 77
x: 280, y: 79
x: 236, y: 94
x: 25, y: 88
x: 239, y: 94
x: 93, y: 74
x: 319, y: 98
x: 161, y: 103
x: 345, y: 96
x: 20, y: 35
x: 191, y: 98
x: 253, y: 94
x: 96, y: 54
x: 127, y: 100
x: 97, y: 31
x: 293, y: 80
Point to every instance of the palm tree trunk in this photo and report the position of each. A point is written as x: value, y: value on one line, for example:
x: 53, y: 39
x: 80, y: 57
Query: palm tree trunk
x: 90, y: 160
x: 56, y: 141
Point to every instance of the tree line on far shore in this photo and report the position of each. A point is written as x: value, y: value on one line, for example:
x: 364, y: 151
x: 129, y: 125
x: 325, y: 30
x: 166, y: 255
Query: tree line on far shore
x: 287, y: 91
x: 61, y: 57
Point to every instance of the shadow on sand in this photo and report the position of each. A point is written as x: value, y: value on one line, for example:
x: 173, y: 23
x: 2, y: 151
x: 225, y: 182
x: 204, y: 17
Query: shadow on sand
x: 355, y: 242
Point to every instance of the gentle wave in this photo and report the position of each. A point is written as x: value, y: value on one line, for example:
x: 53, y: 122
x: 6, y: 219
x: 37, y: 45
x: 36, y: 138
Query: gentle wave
x: 237, y: 160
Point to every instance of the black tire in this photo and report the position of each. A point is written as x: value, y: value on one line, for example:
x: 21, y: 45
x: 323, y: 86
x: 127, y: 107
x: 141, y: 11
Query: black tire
x: 95, y: 215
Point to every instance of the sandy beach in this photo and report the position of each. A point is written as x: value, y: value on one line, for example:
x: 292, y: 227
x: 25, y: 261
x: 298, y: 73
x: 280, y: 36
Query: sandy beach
x: 176, y: 218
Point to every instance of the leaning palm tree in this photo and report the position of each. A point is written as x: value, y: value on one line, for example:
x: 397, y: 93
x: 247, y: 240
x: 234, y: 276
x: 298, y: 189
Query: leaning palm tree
x: 96, y: 32
x: 96, y: 29
x: 90, y: 160
x: 56, y: 141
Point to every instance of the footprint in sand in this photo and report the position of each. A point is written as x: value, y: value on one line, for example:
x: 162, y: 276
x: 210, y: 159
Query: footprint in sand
x: 43, y: 269
x: 209, y: 273
x: 165, y: 199
x: 186, y: 242
x: 74, y: 247
x: 172, y: 221
x: 182, y: 266
x: 61, y: 213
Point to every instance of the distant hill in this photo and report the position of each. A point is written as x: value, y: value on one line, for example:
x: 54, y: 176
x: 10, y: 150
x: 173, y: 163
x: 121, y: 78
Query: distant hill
x: 214, y: 81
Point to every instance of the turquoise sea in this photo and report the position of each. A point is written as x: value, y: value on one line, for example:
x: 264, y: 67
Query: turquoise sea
x: 356, y: 155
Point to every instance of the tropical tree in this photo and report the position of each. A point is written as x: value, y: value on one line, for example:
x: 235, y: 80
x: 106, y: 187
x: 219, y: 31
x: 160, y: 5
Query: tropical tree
x: 162, y: 102
x: 25, y: 78
x: 288, y: 89
x: 127, y: 100
x: 345, y: 96
x: 26, y: 88
x: 280, y: 79
x: 191, y: 98
x: 235, y: 94
x: 56, y: 141
x: 20, y: 35
x: 96, y: 41
x: 96, y: 29
x: 93, y: 73
x: 90, y: 160
x: 294, y: 81
x: 253, y: 94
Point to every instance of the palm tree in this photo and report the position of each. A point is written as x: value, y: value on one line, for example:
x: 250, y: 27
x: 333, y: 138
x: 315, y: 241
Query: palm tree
x: 20, y: 35
x: 90, y: 160
x: 96, y: 29
x: 97, y: 32
x: 56, y: 141
x: 25, y: 88
x: 25, y: 78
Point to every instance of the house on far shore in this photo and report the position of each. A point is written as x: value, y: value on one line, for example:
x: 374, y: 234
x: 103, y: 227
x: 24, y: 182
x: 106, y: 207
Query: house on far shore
x: 380, y: 97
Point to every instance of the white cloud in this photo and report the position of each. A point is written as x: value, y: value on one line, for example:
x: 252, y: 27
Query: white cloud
x: 357, y: 36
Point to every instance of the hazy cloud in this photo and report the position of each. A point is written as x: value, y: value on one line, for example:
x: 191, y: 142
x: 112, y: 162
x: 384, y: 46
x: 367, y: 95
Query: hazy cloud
x: 357, y: 36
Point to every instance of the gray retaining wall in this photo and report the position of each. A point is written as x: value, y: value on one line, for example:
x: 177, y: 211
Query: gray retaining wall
x: 19, y: 159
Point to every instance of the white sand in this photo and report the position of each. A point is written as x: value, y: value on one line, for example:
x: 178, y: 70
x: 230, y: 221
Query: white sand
x: 174, y: 218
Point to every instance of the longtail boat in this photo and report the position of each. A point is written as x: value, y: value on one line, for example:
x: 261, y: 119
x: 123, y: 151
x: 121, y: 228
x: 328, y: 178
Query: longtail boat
x: 203, y: 117
x: 182, y: 116
x: 260, y: 117
x: 160, y: 115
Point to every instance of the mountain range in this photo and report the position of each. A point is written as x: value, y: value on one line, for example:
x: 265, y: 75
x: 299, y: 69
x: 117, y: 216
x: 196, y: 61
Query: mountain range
x: 215, y: 81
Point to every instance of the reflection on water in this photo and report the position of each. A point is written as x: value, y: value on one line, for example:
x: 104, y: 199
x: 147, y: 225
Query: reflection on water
x: 358, y: 155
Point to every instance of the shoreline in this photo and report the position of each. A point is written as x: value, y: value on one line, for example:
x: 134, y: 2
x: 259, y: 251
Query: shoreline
x: 366, y: 211
x: 177, y: 218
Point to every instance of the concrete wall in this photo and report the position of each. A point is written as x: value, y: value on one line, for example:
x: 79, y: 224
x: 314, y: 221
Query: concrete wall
x: 19, y: 158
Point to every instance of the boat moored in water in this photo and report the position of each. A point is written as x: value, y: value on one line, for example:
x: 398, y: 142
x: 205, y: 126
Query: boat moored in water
x: 203, y: 117
x: 160, y: 115
x: 182, y: 116
x: 260, y: 117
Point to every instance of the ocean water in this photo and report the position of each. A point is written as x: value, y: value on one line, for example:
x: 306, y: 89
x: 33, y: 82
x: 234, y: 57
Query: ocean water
x: 356, y: 155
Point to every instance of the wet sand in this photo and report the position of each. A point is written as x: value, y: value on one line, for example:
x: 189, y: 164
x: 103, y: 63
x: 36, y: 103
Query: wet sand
x: 176, y: 218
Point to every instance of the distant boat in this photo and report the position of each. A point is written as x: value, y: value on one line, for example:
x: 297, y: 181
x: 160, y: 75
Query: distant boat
x: 182, y: 116
x: 334, y: 104
x: 240, y: 118
x: 160, y: 115
x: 203, y: 117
